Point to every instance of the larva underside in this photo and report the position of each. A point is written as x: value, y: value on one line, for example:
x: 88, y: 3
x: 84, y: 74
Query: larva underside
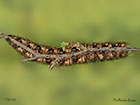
x: 73, y: 53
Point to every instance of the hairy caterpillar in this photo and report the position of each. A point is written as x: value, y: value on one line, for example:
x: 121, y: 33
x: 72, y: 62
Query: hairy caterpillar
x: 73, y: 53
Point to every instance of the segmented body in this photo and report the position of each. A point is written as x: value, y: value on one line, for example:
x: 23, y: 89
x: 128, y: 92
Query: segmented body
x: 74, y: 53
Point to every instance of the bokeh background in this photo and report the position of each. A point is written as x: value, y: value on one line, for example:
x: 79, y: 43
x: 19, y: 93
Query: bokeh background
x: 50, y: 22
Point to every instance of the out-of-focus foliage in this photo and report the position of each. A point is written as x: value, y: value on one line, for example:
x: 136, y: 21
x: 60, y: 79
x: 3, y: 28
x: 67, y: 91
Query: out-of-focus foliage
x: 51, y: 22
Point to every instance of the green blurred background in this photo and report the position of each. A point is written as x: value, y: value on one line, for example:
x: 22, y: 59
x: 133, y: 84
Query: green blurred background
x: 51, y: 22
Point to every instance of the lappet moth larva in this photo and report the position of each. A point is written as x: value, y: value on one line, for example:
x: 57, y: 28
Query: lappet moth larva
x: 73, y: 53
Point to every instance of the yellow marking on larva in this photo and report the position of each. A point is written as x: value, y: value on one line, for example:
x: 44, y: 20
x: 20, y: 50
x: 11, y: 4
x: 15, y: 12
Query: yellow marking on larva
x: 123, y: 45
x: 27, y: 54
x: 24, y: 41
x: 67, y: 62
x: 32, y: 45
x: 43, y: 48
x: 124, y: 54
x: 110, y: 54
x: 40, y: 60
x: 46, y: 49
x: 106, y: 44
x: 100, y: 56
x: 20, y: 49
x: 88, y: 46
x: 107, y: 57
x: 81, y: 59
x: 109, y: 45
x: 55, y: 51
x: 68, y: 50
x: 70, y: 61
x: 116, y: 44
x: 31, y: 55
x: 44, y: 60
x: 92, y: 56
x: 118, y: 54
x: 99, y: 45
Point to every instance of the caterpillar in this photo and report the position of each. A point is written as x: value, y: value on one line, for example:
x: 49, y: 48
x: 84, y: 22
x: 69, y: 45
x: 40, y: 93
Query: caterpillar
x: 73, y: 53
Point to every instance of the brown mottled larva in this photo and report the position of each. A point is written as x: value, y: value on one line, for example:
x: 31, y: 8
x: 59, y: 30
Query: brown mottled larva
x: 74, y: 53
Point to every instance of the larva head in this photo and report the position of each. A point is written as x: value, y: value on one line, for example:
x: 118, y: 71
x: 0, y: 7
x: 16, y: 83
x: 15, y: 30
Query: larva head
x: 2, y: 35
